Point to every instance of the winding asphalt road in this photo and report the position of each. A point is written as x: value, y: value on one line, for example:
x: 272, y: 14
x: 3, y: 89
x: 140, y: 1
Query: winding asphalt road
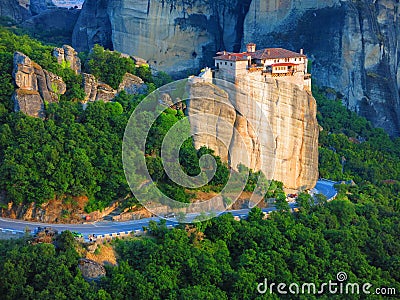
x: 324, y: 187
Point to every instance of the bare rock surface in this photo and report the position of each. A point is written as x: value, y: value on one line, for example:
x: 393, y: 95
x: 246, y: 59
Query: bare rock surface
x: 68, y: 54
x: 274, y: 114
x: 35, y: 86
x: 90, y: 269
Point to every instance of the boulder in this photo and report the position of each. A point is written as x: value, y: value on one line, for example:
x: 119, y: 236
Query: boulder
x: 91, y: 270
x: 35, y: 86
x: 130, y: 84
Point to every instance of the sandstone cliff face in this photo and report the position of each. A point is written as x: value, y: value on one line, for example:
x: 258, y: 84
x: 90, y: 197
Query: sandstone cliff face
x: 35, y: 86
x: 353, y: 44
x: 173, y: 36
x: 269, y: 125
x: 93, y: 26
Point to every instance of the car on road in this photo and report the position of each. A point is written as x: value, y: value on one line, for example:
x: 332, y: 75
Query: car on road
x: 77, y: 234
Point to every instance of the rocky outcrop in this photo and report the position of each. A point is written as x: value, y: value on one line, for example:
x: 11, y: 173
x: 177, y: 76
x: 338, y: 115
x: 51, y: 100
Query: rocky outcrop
x: 41, y: 18
x: 105, y: 92
x: 130, y: 84
x: 55, y: 24
x: 29, y: 102
x: 90, y: 269
x: 96, y: 90
x: 269, y: 125
x: 69, y: 55
x: 35, y: 86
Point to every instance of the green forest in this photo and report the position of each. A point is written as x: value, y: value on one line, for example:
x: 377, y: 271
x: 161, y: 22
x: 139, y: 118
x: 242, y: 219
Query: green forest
x: 75, y: 152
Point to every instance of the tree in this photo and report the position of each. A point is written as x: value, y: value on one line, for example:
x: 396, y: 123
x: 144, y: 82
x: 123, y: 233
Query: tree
x: 305, y: 201
x: 280, y: 203
x: 109, y: 66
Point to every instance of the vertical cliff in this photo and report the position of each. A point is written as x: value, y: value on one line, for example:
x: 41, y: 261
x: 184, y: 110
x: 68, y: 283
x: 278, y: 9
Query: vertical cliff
x: 93, y: 26
x: 266, y: 124
x: 353, y: 45
x: 174, y: 36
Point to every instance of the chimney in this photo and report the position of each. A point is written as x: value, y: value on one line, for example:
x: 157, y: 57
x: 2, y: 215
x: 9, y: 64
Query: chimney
x: 251, y: 47
x: 301, y: 51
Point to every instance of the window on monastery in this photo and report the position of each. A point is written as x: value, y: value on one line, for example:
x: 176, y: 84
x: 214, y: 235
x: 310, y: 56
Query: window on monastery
x: 226, y: 63
x: 231, y: 64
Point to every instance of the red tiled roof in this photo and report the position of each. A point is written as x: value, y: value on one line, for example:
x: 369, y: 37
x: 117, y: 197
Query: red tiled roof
x: 284, y: 65
x: 233, y: 56
x: 272, y: 53
x: 269, y: 53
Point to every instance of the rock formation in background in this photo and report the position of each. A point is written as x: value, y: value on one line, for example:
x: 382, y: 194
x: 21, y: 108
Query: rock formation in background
x: 17, y: 11
x: 35, y: 86
x: 172, y: 37
x: 352, y: 44
x: 39, y: 6
x: 69, y: 55
x: 41, y: 18
x: 93, y: 26
x: 271, y: 113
